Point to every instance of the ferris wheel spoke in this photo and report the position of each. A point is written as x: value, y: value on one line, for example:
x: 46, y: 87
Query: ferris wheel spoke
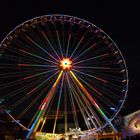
x: 19, y: 90
x: 41, y: 84
x: 50, y: 44
x: 98, y: 52
x: 26, y: 46
x: 107, y: 92
x: 58, y: 40
x: 42, y: 35
x: 69, y: 41
x: 45, y: 116
x: 89, y: 67
x: 101, y: 97
x: 51, y: 40
x: 26, y: 74
x: 72, y: 38
x: 73, y: 104
x: 37, y: 65
x: 107, y: 82
x: 96, y: 91
x: 100, y: 85
x: 21, y: 49
x: 9, y: 84
x: 38, y: 74
x: 68, y: 44
x: 92, y: 46
x: 39, y: 46
x: 59, y: 43
x: 91, y: 110
x: 105, y: 63
x: 36, y: 56
x: 15, y: 59
x: 95, y: 77
x: 58, y: 104
x: 115, y: 86
x: 25, y: 57
x: 92, y: 58
x: 13, y: 106
x: 23, y: 99
x: 11, y: 74
x: 104, y: 109
x: 33, y: 102
x: 50, y: 94
x: 11, y: 66
x: 93, y: 102
x: 90, y: 40
x: 87, y: 115
x: 42, y: 107
x: 107, y: 69
x: 32, y: 91
x: 79, y: 43
x: 22, y: 44
x: 63, y: 39
x: 107, y: 77
x: 81, y: 110
x: 84, y: 98
x: 82, y: 102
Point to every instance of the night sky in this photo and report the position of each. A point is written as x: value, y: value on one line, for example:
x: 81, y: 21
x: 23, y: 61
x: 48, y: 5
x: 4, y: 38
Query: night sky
x: 121, y: 21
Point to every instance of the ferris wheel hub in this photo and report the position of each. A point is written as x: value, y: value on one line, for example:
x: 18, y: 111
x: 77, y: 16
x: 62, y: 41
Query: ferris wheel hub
x: 65, y: 64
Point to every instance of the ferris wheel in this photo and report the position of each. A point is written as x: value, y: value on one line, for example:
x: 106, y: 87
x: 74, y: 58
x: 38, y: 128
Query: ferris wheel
x: 60, y: 70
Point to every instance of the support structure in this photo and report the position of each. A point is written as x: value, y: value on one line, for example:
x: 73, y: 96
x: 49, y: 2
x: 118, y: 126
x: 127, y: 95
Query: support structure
x: 94, y: 102
x: 43, y: 106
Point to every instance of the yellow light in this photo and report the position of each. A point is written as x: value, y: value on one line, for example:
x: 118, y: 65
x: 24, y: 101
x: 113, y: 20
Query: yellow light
x: 65, y: 64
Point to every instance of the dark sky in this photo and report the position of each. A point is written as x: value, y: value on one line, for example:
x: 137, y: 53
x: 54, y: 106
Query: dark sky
x: 120, y: 20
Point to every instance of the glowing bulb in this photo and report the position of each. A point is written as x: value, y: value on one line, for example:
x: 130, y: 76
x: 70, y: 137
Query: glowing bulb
x: 65, y: 64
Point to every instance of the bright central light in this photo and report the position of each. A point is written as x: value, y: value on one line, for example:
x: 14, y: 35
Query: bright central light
x: 65, y: 64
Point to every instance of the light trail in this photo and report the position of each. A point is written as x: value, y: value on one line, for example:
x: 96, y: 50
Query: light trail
x: 93, y: 102
x: 36, y: 65
x: 60, y: 46
x: 68, y: 44
x: 42, y: 106
x: 58, y: 105
x: 82, y: 38
x: 87, y: 67
x: 38, y: 74
x: 90, y: 47
x: 23, y: 51
x: 92, y: 58
x: 50, y: 44
x: 32, y: 91
x: 73, y: 104
x: 95, y: 77
x: 102, y: 97
x: 40, y: 47
x: 85, y: 51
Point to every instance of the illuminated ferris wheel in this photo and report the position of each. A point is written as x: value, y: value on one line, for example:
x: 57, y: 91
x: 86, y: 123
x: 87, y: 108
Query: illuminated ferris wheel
x: 59, y: 70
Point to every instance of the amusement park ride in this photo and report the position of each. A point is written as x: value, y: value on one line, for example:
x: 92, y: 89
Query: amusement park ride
x: 61, y: 70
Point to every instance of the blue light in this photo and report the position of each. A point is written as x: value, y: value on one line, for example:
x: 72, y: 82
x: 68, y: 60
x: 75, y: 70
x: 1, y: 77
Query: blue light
x: 114, y: 109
